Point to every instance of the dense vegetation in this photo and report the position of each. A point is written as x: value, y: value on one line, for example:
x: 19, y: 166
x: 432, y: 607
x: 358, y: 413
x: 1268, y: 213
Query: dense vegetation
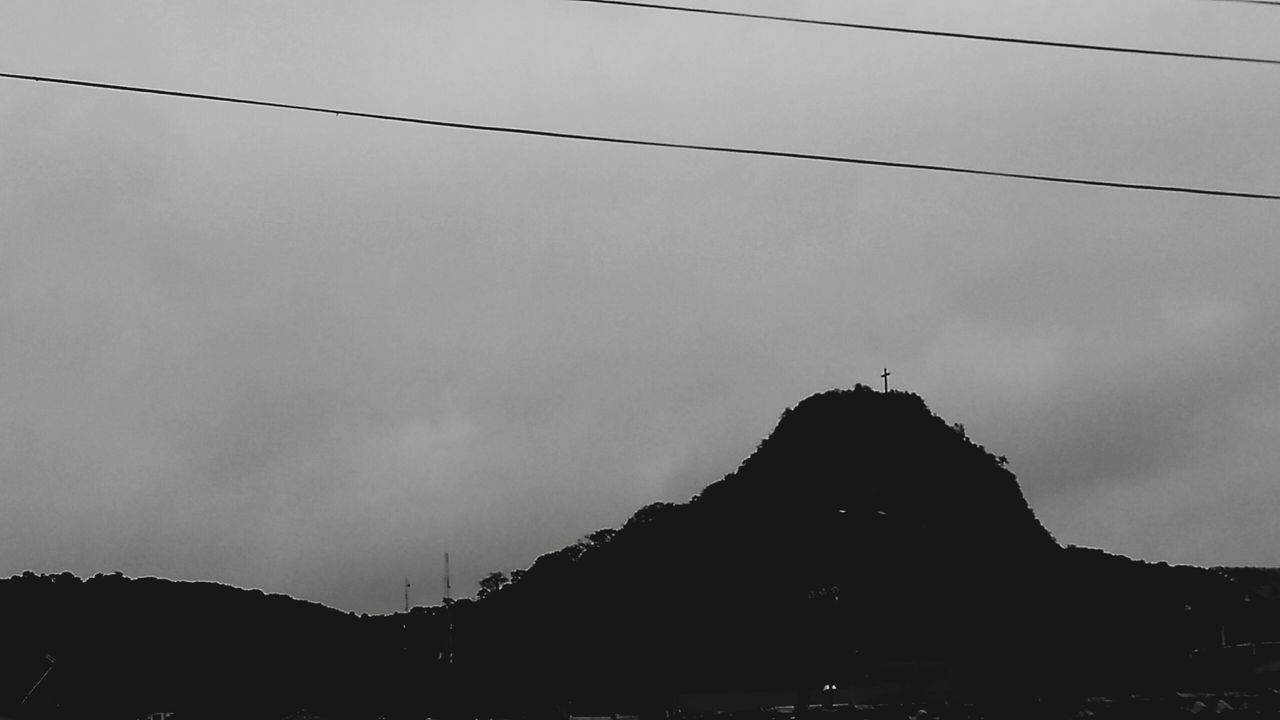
x: 864, y: 536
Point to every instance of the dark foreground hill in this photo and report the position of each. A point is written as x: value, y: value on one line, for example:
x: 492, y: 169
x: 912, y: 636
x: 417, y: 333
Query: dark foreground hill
x: 864, y: 534
x: 865, y: 543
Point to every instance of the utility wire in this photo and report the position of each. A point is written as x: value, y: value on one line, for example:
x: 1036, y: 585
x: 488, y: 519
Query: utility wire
x: 1254, y: 2
x: 945, y: 34
x: 954, y: 169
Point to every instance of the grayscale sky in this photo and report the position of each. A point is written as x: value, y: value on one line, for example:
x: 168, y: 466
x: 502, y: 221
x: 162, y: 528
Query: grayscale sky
x: 310, y: 354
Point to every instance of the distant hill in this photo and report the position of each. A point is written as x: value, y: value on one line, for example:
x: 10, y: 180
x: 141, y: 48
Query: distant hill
x: 132, y: 646
x: 865, y: 542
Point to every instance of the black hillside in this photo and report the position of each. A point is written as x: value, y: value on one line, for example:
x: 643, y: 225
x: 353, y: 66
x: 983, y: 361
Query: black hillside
x: 866, y: 543
x: 865, y: 535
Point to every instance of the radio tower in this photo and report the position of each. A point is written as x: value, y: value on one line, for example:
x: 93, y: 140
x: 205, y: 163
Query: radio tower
x: 446, y: 653
x: 446, y: 577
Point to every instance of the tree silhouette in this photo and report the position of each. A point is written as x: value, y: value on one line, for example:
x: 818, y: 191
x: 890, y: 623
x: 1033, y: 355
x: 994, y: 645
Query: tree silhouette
x: 492, y: 583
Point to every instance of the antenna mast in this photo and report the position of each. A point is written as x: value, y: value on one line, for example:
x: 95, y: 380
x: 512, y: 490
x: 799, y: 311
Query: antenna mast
x: 446, y: 653
x: 406, y: 594
x: 447, y: 586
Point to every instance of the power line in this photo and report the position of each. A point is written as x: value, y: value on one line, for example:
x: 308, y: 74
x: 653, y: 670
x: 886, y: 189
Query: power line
x: 946, y: 34
x: 614, y: 140
x: 1254, y: 2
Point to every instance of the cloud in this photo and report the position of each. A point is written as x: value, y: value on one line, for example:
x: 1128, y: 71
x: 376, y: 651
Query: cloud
x: 312, y: 354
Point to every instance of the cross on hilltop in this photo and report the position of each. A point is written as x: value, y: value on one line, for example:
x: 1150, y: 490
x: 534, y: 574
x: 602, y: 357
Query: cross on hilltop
x: 886, y: 375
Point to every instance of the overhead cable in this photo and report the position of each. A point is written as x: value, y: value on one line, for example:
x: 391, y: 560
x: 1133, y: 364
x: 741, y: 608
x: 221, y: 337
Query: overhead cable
x: 615, y: 140
x: 944, y: 33
x: 1253, y: 2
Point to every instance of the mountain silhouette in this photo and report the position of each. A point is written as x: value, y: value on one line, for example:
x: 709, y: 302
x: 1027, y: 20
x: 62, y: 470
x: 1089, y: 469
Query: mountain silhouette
x: 864, y: 534
x: 866, y: 543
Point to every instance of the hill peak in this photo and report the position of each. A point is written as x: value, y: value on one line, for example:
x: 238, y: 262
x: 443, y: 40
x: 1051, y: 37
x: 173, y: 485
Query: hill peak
x: 878, y: 454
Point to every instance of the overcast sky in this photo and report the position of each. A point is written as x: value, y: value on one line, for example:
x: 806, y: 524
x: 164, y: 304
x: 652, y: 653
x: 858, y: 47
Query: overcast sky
x: 310, y: 354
